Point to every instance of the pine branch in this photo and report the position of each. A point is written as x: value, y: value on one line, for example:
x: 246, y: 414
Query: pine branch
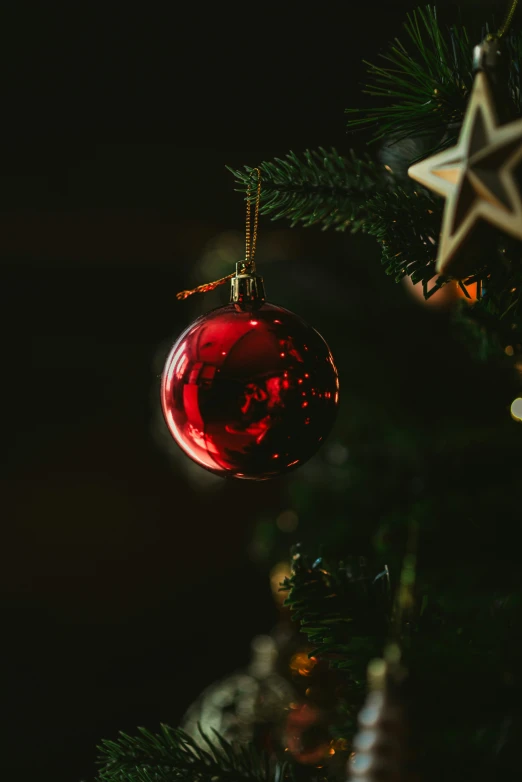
x: 344, y: 612
x: 426, y: 89
x: 404, y: 218
x: 338, y: 604
x: 406, y: 223
x: 360, y: 194
x: 323, y: 188
x: 426, y: 85
x: 173, y: 755
x: 426, y: 92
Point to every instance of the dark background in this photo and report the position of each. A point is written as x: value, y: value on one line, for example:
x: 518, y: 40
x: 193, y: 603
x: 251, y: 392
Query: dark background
x: 125, y: 588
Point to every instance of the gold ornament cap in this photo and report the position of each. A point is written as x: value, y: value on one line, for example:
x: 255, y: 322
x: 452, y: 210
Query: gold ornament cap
x: 487, y: 56
x: 247, y: 289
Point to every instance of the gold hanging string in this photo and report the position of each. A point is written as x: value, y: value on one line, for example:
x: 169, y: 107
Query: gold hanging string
x: 507, y: 21
x: 250, y: 241
x: 250, y: 247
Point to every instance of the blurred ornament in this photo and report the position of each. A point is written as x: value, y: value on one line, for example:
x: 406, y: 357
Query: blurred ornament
x: 306, y: 734
x: 284, y: 703
x: 249, y: 390
x: 477, y: 176
x: 396, y: 154
x: 248, y: 707
x: 314, y: 712
x: 382, y: 747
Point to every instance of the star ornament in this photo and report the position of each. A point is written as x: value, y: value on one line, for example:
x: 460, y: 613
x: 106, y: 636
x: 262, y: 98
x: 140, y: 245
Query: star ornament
x: 477, y: 177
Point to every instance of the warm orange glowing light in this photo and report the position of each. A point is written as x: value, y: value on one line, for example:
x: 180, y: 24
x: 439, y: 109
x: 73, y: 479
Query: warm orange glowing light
x: 302, y: 664
x: 446, y: 296
x: 472, y: 291
x: 277, y: 575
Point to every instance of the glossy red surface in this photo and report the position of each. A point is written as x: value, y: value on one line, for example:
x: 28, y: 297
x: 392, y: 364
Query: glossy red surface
x: 250, y: 394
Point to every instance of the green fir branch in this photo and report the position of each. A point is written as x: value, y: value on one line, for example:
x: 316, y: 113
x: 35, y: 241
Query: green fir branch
x: 358, y: 194
x: 426, y: 89
x: 513, y: 44
x: 343, y: 610
x: 338, y: 605
x: 173, y: 755
x: 321, y: 188
x: 405, y: 219
x: 406, y: 223
x: 426, y: 83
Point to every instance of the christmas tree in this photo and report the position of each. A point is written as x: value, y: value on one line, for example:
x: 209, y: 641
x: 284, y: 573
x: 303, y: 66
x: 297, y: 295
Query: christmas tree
x: 397, y: 652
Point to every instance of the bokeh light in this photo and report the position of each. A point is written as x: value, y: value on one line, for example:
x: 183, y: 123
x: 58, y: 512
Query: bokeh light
x: 287, y: 521
x: 447, y: 296
x: 302, y: 664
x: 277, y: 575
x: 516, y: 409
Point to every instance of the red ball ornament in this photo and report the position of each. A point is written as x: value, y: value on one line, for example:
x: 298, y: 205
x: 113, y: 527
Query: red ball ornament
x: 249, y: 390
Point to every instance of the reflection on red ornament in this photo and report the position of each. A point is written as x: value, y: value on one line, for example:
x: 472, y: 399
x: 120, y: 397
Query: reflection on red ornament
x: 233, y: 400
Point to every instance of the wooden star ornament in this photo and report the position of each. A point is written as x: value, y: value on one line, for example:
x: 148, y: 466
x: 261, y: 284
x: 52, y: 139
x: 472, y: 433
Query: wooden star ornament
x: 478, y: 179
